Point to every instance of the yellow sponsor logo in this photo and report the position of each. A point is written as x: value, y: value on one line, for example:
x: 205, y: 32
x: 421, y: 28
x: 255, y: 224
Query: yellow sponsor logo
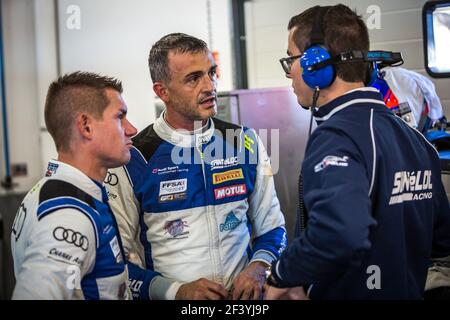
x: 228, y: 176
x: 248, y: 143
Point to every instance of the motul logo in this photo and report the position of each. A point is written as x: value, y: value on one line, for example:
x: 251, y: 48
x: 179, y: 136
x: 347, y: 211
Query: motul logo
x: 230, y: 191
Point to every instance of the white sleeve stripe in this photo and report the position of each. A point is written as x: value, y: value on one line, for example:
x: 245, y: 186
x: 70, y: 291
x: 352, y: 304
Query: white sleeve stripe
x: 374, y: 153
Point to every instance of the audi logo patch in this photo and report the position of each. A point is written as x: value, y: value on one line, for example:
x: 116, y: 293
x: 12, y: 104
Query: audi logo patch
x: 111, y: 179
x: 72, y: 237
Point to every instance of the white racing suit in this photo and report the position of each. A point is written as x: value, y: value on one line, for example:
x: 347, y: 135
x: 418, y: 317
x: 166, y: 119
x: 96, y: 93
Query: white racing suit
x: 199, y: 205
x: 65, y: 242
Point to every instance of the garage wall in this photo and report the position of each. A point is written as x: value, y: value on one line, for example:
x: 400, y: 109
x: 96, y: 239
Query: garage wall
x: 21, y: 91
x: 111, y: 37
x: 401, y: 30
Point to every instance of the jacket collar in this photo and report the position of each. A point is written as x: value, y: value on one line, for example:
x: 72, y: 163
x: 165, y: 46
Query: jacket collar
x: 65, y: 172
x: 360, y: 95
x: 183, y: 138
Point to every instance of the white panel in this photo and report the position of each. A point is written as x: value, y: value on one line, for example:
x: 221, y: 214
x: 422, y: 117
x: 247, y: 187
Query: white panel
x: 116, y: 36
x: 21, y: 90
x: 250, y: 44
x: 273, y: 82
x: 46, y: 51
x: 267, y: 65
x: 276, y: 42
x: 222, y: 41
x: 402, y: 25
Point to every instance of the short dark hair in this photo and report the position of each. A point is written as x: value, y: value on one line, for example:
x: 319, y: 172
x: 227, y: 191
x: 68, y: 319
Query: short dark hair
x: 71, y: 94
x: 343, y: 31
x: 158, y: 60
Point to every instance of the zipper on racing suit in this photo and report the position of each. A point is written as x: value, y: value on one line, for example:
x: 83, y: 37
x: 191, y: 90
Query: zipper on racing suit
x: 212, y: 222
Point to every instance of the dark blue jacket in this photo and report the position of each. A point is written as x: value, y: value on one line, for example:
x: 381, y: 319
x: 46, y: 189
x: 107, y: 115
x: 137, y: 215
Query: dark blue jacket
x: 376, y: 204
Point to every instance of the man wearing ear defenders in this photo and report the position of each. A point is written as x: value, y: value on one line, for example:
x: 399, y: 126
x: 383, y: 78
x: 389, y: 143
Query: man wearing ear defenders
x: 374, y: 205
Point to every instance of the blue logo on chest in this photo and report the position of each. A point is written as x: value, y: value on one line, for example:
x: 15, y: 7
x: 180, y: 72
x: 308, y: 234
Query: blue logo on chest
x: 231, y: 222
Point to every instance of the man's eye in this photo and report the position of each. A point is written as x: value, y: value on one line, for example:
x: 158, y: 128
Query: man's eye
x: 193, y: 79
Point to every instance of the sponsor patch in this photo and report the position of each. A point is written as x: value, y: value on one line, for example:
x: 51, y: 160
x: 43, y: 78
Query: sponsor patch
x: 172, y: 197
x: 176, y: 228
x: 248, y: 143
x: 166, y: 170
x: 230, y: 191
x: 334, y: 161
x: 411, y: 186
x: 111, y: 179
x: 224, y: 163
x: 62, y: 256
x: 231, y: 222
x: 111, y: 196
x: 114, y: 244
x: 228, y: 176
x: 172, y: 186
x: 51, y: 169
x: 72, y: 237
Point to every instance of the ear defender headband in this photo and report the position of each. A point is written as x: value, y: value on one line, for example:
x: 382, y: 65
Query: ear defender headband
x: 316, y: 54
x: 318, y: 64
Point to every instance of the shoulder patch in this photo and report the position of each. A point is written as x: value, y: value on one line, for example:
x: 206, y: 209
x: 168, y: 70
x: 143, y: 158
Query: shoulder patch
x: 233, y: 139
x: 147, y: 142
x: 58, y: 188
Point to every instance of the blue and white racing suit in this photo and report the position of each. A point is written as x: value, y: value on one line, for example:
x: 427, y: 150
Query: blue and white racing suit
x: 65, y: 241
x: 200, y: 205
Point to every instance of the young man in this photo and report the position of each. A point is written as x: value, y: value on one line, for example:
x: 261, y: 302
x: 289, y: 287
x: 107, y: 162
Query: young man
x: 196, y: 207
x: 377, y: 210
x: 65, y: 241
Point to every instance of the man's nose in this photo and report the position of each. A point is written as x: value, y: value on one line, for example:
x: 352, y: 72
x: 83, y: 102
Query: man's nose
x: 209, y: 83
x: 130, y: 130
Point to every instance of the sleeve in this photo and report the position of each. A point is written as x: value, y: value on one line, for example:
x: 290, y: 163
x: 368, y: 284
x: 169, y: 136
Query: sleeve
x: 61, y: 252
x: 336, y: 194
x: 268, y: 232
x: 145, y: 283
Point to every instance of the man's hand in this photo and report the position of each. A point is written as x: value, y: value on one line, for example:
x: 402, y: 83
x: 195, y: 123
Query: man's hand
x: 249, y: 283
x: 201, y: 289
x: 295, y: 293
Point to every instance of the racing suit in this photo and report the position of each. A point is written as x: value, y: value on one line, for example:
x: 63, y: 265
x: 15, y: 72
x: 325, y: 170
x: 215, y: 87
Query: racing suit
x: 65, y: 241
x: 377, y: 209
x: 195, y: 205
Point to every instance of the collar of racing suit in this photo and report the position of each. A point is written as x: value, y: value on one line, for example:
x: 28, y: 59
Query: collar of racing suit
x: 65, y: 172
x: 359, y: 95
x: 181, y: 137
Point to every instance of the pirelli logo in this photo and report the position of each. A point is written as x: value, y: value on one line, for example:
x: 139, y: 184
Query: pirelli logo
x: 228, y: 176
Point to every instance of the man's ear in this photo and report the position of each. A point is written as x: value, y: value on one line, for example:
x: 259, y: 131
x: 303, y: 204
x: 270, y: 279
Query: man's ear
x: 84, y: 125
x: 161, y: 91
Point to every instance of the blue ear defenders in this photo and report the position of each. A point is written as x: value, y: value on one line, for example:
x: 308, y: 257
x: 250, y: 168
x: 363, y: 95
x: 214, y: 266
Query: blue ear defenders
x: 317, y: 78
x: 316, y: 53
x: 318, y: 64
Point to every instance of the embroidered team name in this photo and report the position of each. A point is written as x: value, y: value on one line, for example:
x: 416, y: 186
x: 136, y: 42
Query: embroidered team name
x: 224, y: 163
x: 230, y: 191
x: 411, y: 186
x: 228, y: 176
